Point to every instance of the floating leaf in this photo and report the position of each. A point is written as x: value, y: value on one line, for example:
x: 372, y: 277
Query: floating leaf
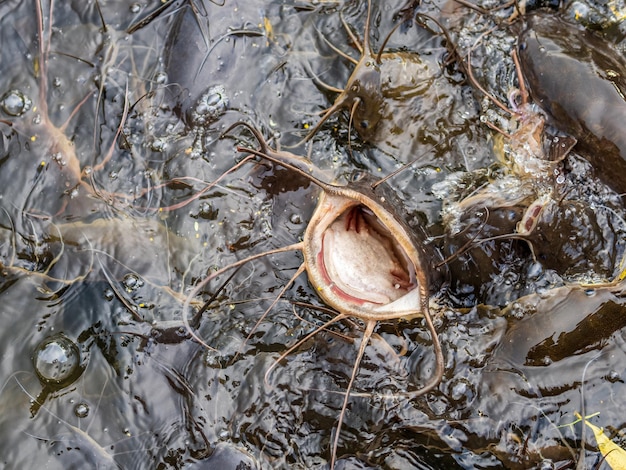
x: 614, y: 455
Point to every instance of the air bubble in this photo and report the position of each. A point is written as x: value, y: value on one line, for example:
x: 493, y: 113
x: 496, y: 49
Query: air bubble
x: 161, y: 78
x: 614, y: 376
x: 109, y: 294
x: 15, y: 103
x: 57, y: 360
x: 132, y: 282
x: 81, y: 410
x: 462, y: 392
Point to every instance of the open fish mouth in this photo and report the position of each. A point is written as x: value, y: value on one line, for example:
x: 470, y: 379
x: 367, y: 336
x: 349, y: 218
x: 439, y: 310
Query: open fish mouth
x: 361, y: 260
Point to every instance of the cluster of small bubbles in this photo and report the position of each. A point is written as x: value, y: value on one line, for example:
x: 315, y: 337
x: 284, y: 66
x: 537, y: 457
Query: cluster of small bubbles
x: 196, y: 153
x: 546, y: 360
x: 210, y: 106
x: 560, y: 177
x: 15, y: 103
x: 57, y: 360
x: 81, y: 410
x: 516, y: 310
x: 132, y: 282
x: 158, y: 145
x: 58, y: 158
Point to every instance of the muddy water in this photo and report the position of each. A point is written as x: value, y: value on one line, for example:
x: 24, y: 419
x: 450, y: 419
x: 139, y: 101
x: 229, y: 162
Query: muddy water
x: 101, y: 241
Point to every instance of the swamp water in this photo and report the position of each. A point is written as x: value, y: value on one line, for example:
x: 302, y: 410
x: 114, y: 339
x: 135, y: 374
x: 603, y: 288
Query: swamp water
x: 104, y: 231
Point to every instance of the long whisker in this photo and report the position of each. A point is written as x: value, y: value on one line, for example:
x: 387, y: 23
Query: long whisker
x: 520, y: 77
x: 353, y: 38
x: 238, y: 32
x: 439, y: 359
x: 149, y: 18
x: 385, y: 41
x: 205, y: 282
x: 109, y: 154
x: 369, y: 329
x: 204, y: 190
x: 471, y: 77
x: 317, y: 181
x: 206, y: 305
x: 339, y: 51
x: 300, y: 342
x: 131, y: 308
x: 468, y: 244
x: 405, y: 166
x: 74, y: 112
x: 43, y: 81
x: 341, y: 101
x: 329, y: 311
x: 300, y: 270
x: 355, y: 105
x: 319, y: 81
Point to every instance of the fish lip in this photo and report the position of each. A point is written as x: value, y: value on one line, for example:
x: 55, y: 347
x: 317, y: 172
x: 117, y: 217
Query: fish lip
x: 330, y: 208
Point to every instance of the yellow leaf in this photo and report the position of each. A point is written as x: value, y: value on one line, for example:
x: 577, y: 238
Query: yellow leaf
x: 269, y: 31
x: 614, y: 455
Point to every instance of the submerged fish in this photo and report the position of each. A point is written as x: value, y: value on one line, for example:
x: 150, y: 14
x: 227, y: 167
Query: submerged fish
x: 580, y: 80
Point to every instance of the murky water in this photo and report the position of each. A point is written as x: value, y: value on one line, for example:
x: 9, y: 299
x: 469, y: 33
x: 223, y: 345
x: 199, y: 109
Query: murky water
x: 108, y: 142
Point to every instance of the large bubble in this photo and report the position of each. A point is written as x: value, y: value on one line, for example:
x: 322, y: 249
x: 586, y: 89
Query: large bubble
x: 57, y: 361
x: 15, y: 103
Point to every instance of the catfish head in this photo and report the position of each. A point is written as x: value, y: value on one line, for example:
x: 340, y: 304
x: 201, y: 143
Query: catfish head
x: 363, y: 97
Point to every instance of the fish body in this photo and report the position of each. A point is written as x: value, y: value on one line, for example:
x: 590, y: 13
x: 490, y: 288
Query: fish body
x: 579, y: 79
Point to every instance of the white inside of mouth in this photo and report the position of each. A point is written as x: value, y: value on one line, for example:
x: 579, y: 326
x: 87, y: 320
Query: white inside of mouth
x: 363, y: 261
